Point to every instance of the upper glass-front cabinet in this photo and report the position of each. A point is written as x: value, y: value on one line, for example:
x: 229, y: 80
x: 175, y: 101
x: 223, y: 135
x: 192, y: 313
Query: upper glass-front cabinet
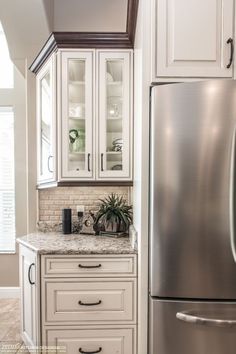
x: 77, y: 115
x: 114, y: 118
x: 46, y: 123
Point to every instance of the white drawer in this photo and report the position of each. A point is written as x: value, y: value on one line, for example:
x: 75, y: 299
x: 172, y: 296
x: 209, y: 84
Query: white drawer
x: 92, y: 266
x: 89, y: 301
x: 104, y: 341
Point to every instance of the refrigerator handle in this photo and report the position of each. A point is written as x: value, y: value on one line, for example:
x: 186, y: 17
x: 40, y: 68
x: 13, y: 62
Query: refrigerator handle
x: 206, y: 321
x: 231, y: 196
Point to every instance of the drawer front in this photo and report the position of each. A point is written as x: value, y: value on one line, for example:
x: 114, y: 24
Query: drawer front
x: 90, y: 301
x: 104, y: 341
x: 88, y: 266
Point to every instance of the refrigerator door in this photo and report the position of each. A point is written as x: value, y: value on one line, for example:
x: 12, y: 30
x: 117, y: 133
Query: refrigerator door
x: 191, y: 189
x: 170, y: 335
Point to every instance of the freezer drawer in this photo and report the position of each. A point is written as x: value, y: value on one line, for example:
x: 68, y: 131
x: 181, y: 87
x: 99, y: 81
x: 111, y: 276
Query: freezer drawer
x: 201, y: 327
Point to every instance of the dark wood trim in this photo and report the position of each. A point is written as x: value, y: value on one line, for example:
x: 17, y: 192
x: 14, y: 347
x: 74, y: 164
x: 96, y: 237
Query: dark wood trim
x: 132, y: 14
x: 100, y: 40
x: 108, y: 40
x: 85, y: 184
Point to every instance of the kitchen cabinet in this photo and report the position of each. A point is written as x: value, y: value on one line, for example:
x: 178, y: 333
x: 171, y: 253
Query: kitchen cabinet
x: 29, y: 283
x: 79, y: 303
x: 46, y: 123
x: 192, y: 39
x: 94, y: 116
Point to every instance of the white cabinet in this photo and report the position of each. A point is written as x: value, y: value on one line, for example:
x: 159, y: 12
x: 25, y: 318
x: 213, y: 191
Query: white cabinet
x: 29, y: 297
x: 191, y: 38
x: 79, y: 304
x: 89, y: 109
x: 104, y: 341
x: 114, y: 115
x: 46, y: 123
x: 76, y: 148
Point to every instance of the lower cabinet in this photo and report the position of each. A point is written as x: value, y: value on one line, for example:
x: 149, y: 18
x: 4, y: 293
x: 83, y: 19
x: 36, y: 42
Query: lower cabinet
x: 29, y: 281
x: 86, y: 341
x: 86, y: 304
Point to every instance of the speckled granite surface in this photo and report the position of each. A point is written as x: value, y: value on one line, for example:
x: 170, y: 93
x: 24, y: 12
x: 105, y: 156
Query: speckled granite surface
x: 56, y: 243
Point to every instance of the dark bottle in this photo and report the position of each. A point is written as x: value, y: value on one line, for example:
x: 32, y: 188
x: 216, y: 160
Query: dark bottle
x: 66, y: 221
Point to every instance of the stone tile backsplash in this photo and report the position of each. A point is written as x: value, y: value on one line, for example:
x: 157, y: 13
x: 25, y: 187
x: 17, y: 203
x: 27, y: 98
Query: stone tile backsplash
x: 52, y: 201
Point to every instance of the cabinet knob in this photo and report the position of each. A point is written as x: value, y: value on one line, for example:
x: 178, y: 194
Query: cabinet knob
x: 231, y: 42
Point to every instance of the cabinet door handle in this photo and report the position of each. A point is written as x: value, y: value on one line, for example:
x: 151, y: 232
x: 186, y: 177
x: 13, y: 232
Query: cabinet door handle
x: 89, y: 267
x: 89, y: 155
x: 102, y: 169
x: 231, y: 42
x: 90, y: 303
x: 49, y: 158
x: 29, y: 274
x: 97, y: 351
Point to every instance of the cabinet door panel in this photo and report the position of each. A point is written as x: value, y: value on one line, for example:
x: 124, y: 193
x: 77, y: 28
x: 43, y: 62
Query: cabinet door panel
x: 114, y: 114
x: 77, y: 86
x: 89, y: 302
x: 105, y: 341
x: 29, y: 311
x: 191, y: 38
x: 46, y: 139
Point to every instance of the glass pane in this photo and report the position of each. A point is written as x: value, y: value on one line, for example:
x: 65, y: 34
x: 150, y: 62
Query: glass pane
x: 6, y: 66
x: 76, y: 114
x: 114, y: 117
x: 46, y: 125
x: 7, y: 180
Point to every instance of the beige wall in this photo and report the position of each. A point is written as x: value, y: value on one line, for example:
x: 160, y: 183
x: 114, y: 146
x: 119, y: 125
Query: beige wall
x: 90, y: 15
x: 9, y: 274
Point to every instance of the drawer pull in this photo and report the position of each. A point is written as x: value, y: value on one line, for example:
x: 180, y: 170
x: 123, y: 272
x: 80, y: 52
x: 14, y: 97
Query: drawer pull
x: 90, y: 303
x: 97, y: 351
x: 89, y: 267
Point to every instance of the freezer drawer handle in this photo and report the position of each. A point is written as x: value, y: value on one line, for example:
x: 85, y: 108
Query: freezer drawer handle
x: 97, y: 351
x: 190, y: 318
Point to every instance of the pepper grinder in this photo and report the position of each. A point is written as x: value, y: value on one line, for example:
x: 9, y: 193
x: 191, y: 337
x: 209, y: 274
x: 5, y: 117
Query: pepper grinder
x: 66, y: 221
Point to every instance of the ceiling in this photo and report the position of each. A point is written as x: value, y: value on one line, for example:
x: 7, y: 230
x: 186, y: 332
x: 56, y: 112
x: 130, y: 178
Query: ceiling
x: 28, y: 25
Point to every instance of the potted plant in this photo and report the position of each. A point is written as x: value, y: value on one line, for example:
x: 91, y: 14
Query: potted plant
x: 114, y: 213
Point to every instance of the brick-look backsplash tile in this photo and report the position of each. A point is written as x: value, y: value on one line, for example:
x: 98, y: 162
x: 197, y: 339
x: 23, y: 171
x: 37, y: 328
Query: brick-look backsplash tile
x: 52, y: 201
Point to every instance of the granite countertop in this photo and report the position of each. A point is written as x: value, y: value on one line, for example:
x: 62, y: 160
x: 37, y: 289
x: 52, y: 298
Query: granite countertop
x: 57, y: 243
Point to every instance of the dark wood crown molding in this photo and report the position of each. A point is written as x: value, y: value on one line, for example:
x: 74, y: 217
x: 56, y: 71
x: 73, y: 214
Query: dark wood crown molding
x: 108, y: 40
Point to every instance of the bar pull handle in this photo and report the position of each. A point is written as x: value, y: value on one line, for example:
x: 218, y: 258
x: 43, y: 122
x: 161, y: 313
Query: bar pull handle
x: 90, y: 303
x: 29, y: 274
x: 89, y: 267
x: 86, y: 352
x: 89, y: 156
x: 102, y: 167
x: 206, y: 321
x: 231, y: 42
x: 231, y: 196
x: 49, y: 159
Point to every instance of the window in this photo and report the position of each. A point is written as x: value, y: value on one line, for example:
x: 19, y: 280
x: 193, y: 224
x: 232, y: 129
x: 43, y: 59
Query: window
x: 7, y: 168
x: 7, y: 183
x: 6, y: 66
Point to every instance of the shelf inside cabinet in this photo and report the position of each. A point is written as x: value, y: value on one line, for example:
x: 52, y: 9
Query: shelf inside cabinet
x: 78, y: 83
x: 114, y: 155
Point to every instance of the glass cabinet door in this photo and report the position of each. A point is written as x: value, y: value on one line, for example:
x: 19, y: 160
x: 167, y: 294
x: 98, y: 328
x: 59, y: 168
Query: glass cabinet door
x: 77, y: 115
x: 114, y: 120
x: 46, y: 123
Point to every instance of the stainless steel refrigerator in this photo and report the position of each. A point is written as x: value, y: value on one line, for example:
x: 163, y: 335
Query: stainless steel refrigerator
x: 192, y: 300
